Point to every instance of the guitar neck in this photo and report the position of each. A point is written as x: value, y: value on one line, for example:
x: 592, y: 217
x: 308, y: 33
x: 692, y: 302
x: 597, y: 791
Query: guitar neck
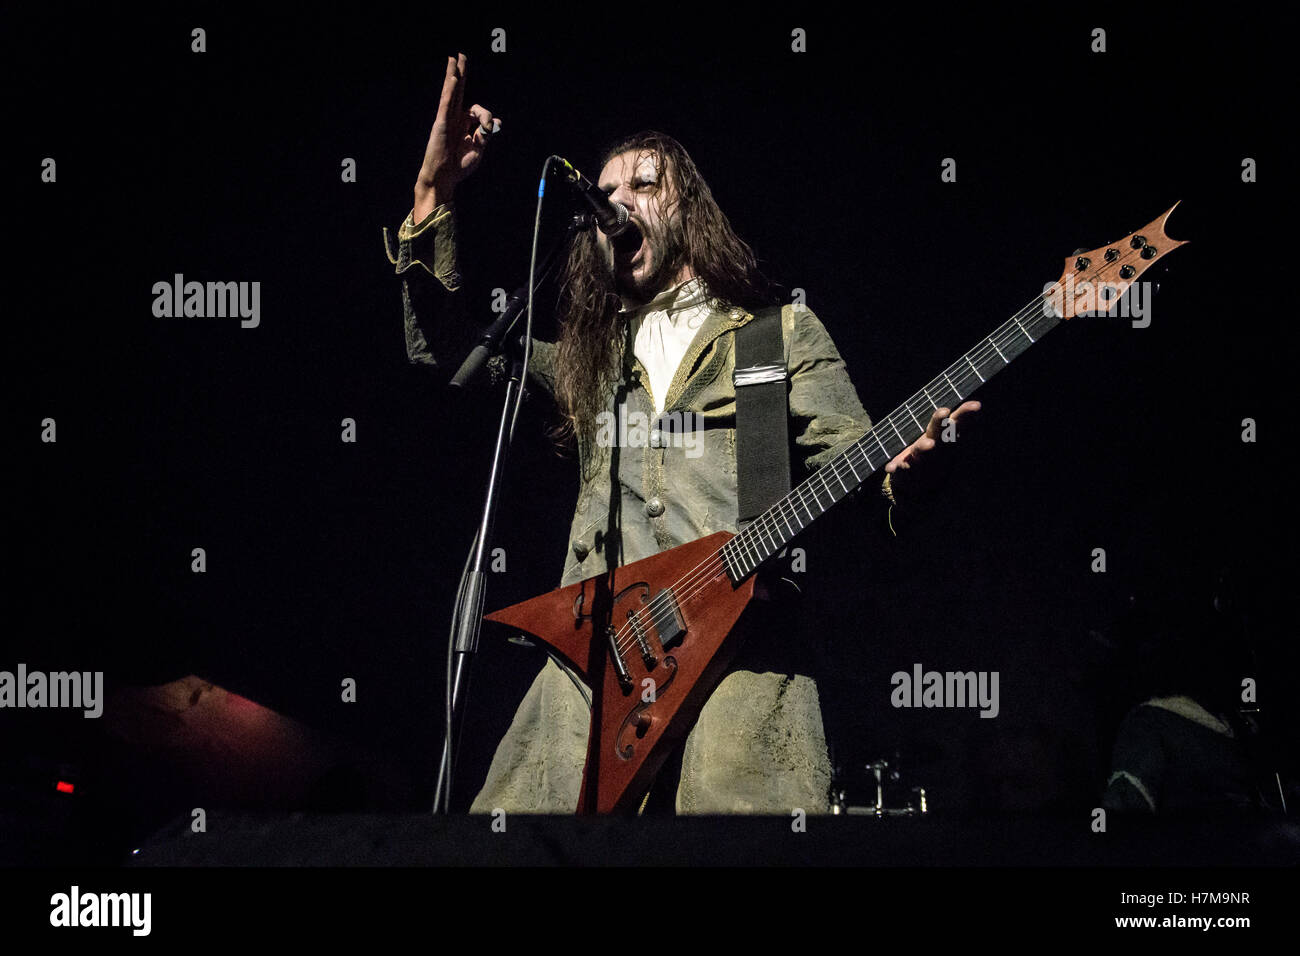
x: 771, y: 531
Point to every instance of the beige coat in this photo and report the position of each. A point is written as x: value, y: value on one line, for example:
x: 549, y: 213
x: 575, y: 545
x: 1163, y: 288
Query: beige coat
x: 758, y: 745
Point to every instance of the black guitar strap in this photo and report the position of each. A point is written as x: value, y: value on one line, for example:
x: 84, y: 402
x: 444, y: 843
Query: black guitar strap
x: 762, y: 413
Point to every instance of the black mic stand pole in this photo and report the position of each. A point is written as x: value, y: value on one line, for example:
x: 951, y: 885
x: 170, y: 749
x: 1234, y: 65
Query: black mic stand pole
x: 467, y: 620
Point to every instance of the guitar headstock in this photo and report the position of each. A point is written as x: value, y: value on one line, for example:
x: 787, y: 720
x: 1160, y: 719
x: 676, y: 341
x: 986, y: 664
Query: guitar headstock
x: 1094, y: 281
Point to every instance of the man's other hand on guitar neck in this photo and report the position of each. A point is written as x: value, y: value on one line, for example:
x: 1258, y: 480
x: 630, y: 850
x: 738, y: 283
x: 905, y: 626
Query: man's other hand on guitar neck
x: 923, y: 449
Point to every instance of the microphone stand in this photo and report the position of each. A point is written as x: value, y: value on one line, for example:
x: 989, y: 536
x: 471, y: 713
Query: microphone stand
x: 467, y: 617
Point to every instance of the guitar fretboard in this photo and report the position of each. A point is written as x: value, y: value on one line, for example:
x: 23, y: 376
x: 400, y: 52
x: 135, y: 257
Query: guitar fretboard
x: 771, y: 531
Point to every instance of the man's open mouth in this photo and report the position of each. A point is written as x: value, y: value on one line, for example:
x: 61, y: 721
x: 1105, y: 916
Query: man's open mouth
x: 627, y: 242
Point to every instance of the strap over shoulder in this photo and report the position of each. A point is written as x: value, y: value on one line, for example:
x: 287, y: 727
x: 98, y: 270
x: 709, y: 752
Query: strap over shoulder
x: 762, y: 415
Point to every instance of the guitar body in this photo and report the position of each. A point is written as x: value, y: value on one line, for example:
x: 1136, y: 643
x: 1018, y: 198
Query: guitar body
x: 670, y: 617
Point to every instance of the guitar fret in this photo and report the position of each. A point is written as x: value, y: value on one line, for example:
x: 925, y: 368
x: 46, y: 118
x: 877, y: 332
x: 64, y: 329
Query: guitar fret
x: 811, y: 517
x: 952, y: 386
x: 901, y: 440
x: 977, y: 371
x: 791, y: 502
x: 881, y: 444
x: 1023, y: 329
x: 998, y: 350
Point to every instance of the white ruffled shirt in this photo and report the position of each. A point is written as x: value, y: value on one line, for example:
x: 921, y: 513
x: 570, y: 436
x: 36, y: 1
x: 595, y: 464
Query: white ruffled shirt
x: 663, y: 330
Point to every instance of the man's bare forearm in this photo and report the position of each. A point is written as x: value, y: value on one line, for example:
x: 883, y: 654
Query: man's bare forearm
x: 427, y: 199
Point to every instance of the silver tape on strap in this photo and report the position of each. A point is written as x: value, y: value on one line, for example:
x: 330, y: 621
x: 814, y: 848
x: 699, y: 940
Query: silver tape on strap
x: 759, y: 374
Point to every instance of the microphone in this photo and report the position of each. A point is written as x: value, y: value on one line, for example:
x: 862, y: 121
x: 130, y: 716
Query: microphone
x: 611, y: 216
x: 490, y: 340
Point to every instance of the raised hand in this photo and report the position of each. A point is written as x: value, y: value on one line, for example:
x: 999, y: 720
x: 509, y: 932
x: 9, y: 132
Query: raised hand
x: 456, y: 143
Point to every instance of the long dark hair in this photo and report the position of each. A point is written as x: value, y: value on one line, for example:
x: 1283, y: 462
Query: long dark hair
x: 591, y: 344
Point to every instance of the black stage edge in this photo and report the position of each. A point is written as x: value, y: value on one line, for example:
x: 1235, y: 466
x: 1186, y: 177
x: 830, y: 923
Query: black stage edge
x: 296, y: 839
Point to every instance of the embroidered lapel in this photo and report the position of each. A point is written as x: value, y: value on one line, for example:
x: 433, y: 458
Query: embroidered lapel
x: 687, y: 383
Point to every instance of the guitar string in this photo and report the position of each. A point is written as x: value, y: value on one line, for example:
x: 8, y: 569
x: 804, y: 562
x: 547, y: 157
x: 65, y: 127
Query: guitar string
x: 751, y: 536
x: 768, y: 522
x: 699, y: 577
x: 708, y: 569
x: 1008, y: 335
x: 859, y: 454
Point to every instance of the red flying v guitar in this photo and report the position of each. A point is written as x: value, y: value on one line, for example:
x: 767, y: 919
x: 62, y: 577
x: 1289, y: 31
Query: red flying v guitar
x: 651, y: 638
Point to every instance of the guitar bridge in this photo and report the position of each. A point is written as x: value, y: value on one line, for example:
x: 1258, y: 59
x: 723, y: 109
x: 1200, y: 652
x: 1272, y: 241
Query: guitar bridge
x: 620, y: 668
x: 638, y: 632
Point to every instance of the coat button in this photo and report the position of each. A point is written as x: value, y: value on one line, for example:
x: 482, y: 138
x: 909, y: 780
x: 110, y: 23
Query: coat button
x: 581, y: 549
x: 654, y: 507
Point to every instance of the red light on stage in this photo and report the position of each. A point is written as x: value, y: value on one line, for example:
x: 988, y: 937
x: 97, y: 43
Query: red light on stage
x: 63, y: 786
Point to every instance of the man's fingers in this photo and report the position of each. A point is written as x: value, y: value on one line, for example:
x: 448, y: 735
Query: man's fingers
x: 484, y: 127
x: 458, y: 93
x: 935, y: 426
x: 967, y: 408
x: 936, y: 422
x: 926, y: 442
x: 905, y: 458
x: 449, y: 83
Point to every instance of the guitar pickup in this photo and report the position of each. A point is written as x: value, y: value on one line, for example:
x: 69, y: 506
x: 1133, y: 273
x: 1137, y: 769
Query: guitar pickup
x: 667, y: 618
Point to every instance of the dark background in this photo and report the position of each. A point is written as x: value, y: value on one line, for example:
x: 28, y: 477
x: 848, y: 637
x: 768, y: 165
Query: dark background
x: 329, y: 560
